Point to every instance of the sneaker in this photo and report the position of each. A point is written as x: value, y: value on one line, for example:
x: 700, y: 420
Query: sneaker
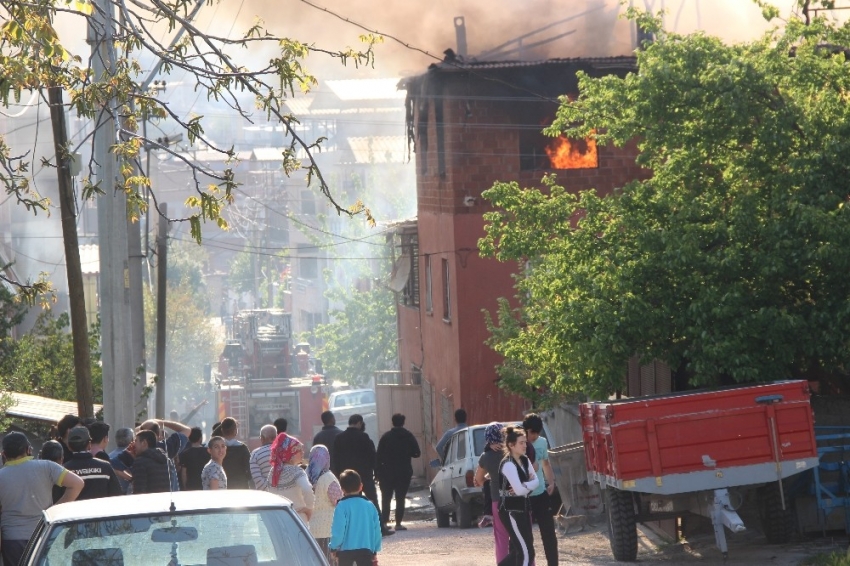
x: 386, y: 531
x: 486, y: 521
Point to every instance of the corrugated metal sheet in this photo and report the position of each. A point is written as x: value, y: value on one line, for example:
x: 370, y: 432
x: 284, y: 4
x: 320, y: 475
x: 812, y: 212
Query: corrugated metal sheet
x: 378, y: 149
x: 42, y: 408
x: 597, y: 62
x: 365, y: 89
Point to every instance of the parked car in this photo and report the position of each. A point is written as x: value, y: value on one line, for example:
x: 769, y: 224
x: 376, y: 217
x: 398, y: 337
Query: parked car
x: 452, y: 491
x: 190, y: 528
x: 356, y: 401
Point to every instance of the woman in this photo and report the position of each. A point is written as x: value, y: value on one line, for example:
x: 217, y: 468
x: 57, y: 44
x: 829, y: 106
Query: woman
x: 488, y: 468
x: 212, y: 475
x: 328, y: 493
x: 286, y: 477
x: 516, y: 480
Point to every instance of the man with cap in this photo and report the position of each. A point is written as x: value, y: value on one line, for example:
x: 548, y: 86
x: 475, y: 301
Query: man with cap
x: 100, y: 480
x: 26, y: 489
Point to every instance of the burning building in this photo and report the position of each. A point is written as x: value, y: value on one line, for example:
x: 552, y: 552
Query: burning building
x: 471, y: 124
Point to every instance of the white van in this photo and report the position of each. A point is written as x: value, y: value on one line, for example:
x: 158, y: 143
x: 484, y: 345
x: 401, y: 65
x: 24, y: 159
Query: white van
x: 349, y: 402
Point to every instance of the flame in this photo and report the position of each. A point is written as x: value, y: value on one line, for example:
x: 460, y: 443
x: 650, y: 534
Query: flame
x: 572, y: 154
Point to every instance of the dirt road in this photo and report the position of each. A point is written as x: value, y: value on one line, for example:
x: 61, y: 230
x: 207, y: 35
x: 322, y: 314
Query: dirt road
x: 425, y: 545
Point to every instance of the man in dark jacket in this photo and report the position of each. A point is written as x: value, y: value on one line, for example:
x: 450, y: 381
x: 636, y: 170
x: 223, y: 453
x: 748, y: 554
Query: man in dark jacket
x: 394, y: 470
x: 150, y: 467
x: 354, y: 450
x: 328, y: 434
x: 237, y: 461
x: 100, y: 480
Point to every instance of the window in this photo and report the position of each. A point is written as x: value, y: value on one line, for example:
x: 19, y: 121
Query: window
x: 460, y: 439
x: 308, y: 202
x: 410, y: 247
x: 429, y: 301
x: 308, y: 268
x: 447, y: 302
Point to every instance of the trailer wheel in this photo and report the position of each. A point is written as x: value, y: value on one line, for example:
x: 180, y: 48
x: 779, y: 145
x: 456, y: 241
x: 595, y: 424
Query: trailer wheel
x: 622, y: 524
x: 463, y: 512
x: 777, y: 524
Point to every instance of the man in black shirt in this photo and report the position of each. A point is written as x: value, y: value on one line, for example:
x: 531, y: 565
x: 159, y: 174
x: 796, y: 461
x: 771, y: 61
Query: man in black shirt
x: 328, y: 434
x: 236, y: 464
x: 100, y: 480
x: 354, y: 450
x: 99, y: 432
x: 192, y: 460
x: 394, y: 470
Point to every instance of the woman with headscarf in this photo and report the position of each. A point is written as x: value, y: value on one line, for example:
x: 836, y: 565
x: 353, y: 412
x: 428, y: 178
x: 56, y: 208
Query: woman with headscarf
x: 487, y: 476
x: 328, y: 493
x: 286, y: 478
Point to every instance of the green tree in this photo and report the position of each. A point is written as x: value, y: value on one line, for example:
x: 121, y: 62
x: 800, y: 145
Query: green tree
x: 730, y: 262
x: 41, y: 362
x: 362, y: 337
x: 191, y: 339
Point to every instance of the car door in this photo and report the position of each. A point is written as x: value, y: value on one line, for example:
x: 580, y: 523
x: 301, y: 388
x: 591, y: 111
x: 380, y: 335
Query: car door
x: 443, y: 479
x: 461, y: 459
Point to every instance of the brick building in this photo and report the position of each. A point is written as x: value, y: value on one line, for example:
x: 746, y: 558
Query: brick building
x: 472, y: 124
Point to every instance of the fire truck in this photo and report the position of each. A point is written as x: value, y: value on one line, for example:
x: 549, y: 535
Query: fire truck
x: 261, y: 377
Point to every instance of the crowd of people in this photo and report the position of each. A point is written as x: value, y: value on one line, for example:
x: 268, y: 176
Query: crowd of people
x: 332, y: 488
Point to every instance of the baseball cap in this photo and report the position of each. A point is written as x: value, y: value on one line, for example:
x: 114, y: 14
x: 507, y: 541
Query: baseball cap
x: 15, y: 443
x: 79, y: 435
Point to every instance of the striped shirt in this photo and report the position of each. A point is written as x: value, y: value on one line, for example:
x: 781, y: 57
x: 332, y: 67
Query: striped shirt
x: 261, y: 465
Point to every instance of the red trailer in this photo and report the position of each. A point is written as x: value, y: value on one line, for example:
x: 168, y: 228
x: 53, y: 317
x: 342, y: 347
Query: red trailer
x: 695, y: 452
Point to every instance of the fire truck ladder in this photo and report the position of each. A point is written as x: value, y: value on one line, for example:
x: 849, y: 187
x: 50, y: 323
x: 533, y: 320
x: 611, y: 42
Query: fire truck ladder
x: 239, y: 411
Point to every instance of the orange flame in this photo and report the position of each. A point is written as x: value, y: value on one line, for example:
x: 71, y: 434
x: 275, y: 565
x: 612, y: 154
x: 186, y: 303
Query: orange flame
x: 572, y: 154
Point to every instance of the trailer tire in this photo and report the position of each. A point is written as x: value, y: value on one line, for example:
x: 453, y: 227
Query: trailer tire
x: 777, y: 524
x: 463, y: 512
x: 622, y: 524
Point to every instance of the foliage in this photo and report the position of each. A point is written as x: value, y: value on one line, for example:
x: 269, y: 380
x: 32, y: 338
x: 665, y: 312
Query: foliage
x: 191, y: 339
x: 730, y: 262
x: 362, y: 337
x: 41, y: 362
x: 833, y: 559
x: 33, y: 57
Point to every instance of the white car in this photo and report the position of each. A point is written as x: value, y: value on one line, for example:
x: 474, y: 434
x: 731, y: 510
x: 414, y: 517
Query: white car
x: 194, y: 528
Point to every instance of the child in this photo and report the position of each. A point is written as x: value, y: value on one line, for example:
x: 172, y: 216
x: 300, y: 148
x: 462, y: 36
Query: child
x: 356, y: 528
x: 213, y: 476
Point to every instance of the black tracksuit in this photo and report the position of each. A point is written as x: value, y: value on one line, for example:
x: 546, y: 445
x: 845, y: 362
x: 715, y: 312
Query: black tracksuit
x: 98, y: 476
x: 150, y: 472
x: 354, y: 450
x: 394, y: 470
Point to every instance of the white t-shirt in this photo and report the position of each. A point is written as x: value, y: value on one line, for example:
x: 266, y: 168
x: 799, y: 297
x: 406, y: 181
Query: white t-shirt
x: 213, y: 471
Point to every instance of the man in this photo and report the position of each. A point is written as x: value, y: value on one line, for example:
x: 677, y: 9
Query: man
x: 99, y: 432
x: 171, y: 444
x: 97, y: 474
x: 328, y: 434
x: 236, y: 461
x: 539, y: 498
x: 121, y: 459
x: 63, y: 427
x: 260, y: 461
x: 192, y: 460
x: 26, y: 489
x: 281, y: 424
x: 460, y: 424
x: 354, y: 450
x: 150, y: 466
x: 394, y: 470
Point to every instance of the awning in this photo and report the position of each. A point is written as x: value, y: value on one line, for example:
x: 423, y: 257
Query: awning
x: 44, y: 409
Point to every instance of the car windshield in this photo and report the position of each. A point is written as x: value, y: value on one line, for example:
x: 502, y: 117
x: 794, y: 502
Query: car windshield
x: 262, y: 537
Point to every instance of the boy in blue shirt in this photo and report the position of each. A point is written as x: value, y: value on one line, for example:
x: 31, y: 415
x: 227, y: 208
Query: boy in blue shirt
x: 356, y: 528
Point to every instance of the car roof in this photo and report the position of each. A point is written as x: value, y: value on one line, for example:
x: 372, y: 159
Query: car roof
x: 155, y: 503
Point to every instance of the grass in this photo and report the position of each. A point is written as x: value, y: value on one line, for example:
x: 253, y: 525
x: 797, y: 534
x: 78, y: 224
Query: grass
x: 833, y: 559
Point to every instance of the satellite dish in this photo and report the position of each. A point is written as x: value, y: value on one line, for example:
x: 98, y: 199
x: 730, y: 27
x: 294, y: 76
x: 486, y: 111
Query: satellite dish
x: 400, y: 274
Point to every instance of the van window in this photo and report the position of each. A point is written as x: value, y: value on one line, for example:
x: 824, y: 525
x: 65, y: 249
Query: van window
x: 368, y: 398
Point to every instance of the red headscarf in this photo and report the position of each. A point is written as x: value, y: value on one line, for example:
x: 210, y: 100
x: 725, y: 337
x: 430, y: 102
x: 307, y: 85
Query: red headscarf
x: 283, y: 448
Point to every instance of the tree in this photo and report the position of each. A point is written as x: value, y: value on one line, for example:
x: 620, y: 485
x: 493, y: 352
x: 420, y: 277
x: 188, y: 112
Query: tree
x: 362, y: 337
x: 191, y: 337
x: 41, y: 362
x: 730, y: 262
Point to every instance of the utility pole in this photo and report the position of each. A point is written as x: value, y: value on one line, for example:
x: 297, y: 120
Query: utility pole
x: 161, y: 286
x: 113, y: 246
x: 76, y: 295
